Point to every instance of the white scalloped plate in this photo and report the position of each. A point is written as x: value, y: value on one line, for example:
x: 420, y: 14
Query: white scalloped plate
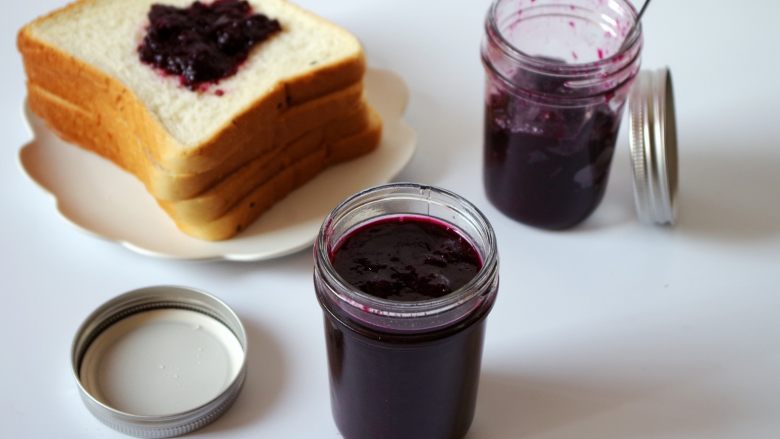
x: 103, y: 200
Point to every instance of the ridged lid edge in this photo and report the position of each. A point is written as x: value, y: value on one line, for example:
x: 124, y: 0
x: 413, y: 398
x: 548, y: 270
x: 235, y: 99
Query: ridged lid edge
x: 653, y: 144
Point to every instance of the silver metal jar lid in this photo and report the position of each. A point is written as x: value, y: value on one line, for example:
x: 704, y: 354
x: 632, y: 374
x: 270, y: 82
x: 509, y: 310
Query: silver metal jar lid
x: 653, y: 142
x: 160, y: 361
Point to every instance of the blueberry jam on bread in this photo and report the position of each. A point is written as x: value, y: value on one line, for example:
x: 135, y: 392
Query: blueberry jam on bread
x: 291, y: 105
x: 203, y: 43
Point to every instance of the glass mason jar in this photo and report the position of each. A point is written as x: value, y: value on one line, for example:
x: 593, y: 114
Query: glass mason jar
x: 558, y: 73
x: 404, y: 369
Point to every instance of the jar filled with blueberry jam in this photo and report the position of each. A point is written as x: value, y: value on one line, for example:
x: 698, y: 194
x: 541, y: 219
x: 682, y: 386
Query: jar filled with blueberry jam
x: 406, y: 276
x: 558, y: 73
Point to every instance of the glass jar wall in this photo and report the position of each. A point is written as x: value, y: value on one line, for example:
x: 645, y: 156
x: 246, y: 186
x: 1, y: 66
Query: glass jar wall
x: 558, y: 73
x: 405, y: 368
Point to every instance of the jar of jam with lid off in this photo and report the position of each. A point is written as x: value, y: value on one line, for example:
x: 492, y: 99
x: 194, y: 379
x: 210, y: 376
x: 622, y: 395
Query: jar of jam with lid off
x: 558, y: 74
x: 406, y: 276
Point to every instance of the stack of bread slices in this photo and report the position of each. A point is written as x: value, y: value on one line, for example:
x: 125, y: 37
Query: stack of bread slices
x: 214, y: 159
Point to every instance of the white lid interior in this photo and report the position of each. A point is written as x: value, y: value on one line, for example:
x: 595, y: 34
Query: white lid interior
x: 161, y: 362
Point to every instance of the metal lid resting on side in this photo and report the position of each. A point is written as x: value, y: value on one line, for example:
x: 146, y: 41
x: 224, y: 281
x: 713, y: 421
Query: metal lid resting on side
x: 160, y: 361
x: 653, y: 142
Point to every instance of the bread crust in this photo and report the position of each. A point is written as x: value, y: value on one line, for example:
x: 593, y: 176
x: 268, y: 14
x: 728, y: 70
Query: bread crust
x: 97, y: 133
x: 265, y: 196
x: 90, y: 88
x: 216, y: 201
x: 271, y: 184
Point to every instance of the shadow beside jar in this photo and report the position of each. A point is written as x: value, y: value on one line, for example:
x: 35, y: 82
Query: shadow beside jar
x: 654, y: 378
x: 267, y: 373
x: 728, y: 196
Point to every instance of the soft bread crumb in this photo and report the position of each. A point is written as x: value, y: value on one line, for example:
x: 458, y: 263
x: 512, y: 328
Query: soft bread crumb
x: 106, y: 35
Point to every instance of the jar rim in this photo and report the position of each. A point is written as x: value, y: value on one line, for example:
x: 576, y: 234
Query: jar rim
x: 617, y: 59
x: 413, y: 309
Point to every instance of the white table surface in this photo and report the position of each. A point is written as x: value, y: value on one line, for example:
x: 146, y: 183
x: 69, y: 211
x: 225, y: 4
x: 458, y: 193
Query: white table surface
x: 611, y: 330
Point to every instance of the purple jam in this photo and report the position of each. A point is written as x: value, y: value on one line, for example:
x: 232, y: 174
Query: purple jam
x: 203, y: 43
x: 545, y: 165
x: 386, y: 386
x: 406, y: 259
x: 389, y: 385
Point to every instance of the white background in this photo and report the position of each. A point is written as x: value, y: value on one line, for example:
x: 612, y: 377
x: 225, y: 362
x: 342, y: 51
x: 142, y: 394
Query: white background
x: 611, y: 330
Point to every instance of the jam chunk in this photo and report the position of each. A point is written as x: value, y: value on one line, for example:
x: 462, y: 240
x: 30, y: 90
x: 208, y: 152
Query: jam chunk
x: 203, y: 43
x: 406, y: 258
x: 547, y: 165
x: 413, y: 384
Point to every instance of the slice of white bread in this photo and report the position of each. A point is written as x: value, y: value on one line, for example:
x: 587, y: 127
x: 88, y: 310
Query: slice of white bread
x: 263, y: 197
x: 350, y: 136
x: 86, y: 53
x: 97, y: 133
x: 216, y: 201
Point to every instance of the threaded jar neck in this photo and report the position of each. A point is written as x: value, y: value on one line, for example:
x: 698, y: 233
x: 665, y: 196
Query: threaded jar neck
x: 405, y: 199
x: 561, y: 51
